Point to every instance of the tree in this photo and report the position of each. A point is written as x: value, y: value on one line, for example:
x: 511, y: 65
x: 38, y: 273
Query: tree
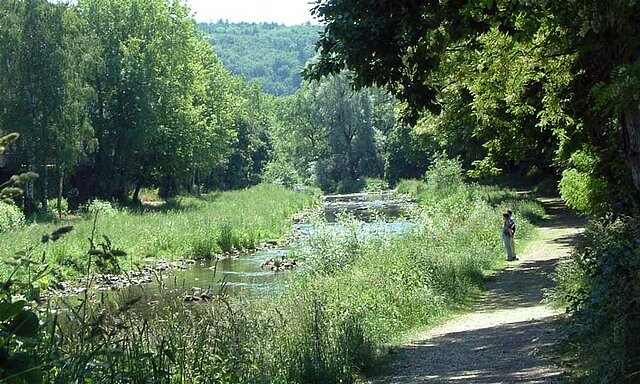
x: 161, y: 98
x: 586, y: 78
x: 334, y: 134
x: 44, y: 89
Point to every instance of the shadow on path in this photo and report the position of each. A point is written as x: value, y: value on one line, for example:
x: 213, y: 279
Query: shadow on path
x: 488, y: 355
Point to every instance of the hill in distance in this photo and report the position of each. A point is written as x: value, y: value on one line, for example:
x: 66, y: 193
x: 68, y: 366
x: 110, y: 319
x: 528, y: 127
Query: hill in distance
x: 270, y: 53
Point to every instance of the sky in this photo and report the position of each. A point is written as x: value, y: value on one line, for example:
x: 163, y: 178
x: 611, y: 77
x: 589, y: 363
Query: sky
x: 288, y: 12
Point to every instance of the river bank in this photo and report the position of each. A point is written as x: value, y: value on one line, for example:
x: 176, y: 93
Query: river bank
x: 333, y: 319
x: 225, y: 223
x: 256, y: 267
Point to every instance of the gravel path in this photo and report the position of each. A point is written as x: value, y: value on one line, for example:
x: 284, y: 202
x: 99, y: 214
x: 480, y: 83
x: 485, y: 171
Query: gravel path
x: 507, y: 335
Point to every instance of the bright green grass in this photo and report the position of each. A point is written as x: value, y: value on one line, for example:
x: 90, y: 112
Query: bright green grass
x: 188, y: 228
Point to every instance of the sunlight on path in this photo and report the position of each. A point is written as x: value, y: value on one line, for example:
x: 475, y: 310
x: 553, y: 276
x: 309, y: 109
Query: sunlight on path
x: 510, y: 330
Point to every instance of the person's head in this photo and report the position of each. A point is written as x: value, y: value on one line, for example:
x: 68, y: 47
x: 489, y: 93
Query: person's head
x: 510, y: 212
x: 505, y: 216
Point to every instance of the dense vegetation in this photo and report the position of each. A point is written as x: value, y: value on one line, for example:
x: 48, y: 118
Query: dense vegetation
x: 271, y: 54
x: 356, y: 295
x: 331, y: 136
x: 542, y: 84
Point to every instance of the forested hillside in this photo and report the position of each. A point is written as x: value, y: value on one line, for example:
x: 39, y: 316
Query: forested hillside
x: 270, y: 53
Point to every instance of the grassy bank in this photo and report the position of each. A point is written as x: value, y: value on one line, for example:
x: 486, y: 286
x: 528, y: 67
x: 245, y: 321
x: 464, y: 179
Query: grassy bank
x: 355, y: 296
x: 186, y: 228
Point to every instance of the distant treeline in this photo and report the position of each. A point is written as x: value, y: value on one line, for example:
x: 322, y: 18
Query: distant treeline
x: 270, y: 53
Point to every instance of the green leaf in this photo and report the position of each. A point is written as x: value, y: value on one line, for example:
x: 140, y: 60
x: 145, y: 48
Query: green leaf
x: 22, y: 369
x: 9, y: 310
x: 25, y: 324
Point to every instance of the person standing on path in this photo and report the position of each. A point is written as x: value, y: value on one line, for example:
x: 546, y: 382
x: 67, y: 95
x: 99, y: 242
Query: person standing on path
x: 512, y: 225
x: 507, y: 234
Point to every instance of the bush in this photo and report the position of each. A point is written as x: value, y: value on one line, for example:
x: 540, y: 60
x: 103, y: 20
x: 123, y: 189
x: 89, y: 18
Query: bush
x: 10, y: 217
x: 350, y: 185
x: 103, y: 208
x: 581, y: 188
x: 413, y: 188
x: 372, y: 184
x: 281, y: 172
x: 444, y: 175
x: 601, y: 287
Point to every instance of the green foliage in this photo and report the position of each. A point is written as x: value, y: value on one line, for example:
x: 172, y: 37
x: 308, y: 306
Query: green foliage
x: 407, y: 153
x: 280, y: 172
x: 333, y: 134
x: 349, y: 185
x: 372, y: 184
x: 105, y: 256
x: 127, y: 94
x: 504, y: 85
x: 20, y: 329
x: 358, y: 293
x: 413, y: 188
x: 582, y: 188
x: 601, y: 287
x: 374, y: 287
x: 272, y: 55
x: 100, y: 207
x: 444, y: 175
x: 10, y: 217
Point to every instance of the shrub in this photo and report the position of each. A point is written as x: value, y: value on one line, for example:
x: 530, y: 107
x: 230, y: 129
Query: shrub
x: 413, y: 188
x: 281, y: 172
x: 103, y: 208
x: 10, y: 217
x: 601, y: 287
x: 444, y: 175
x: 581, y: 188
x: 372, y: 184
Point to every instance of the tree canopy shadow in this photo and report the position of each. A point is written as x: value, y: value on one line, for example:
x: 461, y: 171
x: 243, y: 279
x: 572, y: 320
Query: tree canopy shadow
x: 470, y: 356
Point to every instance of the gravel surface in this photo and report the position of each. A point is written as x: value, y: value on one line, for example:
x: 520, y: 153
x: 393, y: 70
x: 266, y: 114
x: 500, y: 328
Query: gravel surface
x: 507, y: 336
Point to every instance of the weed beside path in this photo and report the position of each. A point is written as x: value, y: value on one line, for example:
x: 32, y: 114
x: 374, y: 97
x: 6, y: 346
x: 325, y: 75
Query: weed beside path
x: 507, y: 336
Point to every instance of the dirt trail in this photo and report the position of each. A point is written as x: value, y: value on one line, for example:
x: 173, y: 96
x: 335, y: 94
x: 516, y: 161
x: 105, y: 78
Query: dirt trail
x: 506, y: 336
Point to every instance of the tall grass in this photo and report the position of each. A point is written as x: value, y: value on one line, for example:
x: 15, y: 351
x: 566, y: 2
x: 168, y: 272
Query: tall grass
x: 187, y: 228
x: 356, y: 296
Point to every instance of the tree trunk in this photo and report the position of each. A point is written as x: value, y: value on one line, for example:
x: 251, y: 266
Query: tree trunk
x: 44, y: 197
x: 631, y: 125
x: 136, y: 192
x: 60, y: 186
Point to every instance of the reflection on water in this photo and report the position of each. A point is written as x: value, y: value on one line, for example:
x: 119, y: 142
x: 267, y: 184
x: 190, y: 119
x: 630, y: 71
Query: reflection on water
x: 244, y: 271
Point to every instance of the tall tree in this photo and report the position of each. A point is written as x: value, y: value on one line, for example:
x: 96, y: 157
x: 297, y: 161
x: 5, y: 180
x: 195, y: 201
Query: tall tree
x: 334, y: 132
x: 46, y: 93
x: 586, y: 79
x: 153, y: 114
